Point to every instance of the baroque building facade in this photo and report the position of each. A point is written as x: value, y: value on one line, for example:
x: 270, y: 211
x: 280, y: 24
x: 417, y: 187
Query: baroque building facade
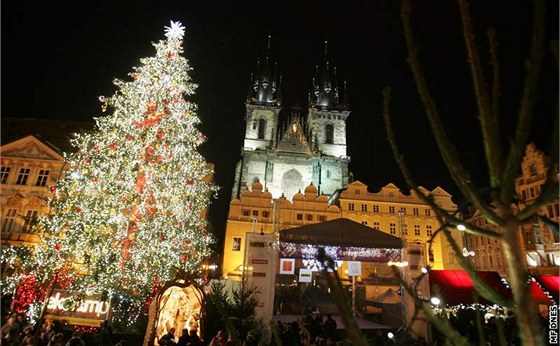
x: 29, y: 168
x: 32, y: 161
x: 539, y: 242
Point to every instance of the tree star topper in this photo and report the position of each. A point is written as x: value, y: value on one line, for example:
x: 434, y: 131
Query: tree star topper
x: 176, y: 30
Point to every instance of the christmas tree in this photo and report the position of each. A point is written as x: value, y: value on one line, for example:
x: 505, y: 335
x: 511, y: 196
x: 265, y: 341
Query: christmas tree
x: 130, y: 210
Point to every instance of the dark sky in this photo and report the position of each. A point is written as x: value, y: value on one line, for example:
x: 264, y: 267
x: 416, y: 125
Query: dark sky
x: 58, y: 57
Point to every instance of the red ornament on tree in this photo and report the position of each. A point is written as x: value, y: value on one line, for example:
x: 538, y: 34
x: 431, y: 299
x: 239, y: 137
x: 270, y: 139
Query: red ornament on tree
x: 57, y: 247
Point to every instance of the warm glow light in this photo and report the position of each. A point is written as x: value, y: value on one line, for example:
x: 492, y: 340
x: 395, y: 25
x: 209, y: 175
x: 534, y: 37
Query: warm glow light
x: 397, y: 264
x: 461, y: 227
x: 435, y: 301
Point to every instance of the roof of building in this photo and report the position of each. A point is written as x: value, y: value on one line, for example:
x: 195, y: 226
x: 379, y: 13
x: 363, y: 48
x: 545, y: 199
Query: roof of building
x: 340, y: 232
x: 56, y: 133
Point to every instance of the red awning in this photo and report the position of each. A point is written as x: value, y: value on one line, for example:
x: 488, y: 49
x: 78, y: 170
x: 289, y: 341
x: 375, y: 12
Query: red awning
x: 550, y: 284
x: 456, y: 287
x: 538, y: 295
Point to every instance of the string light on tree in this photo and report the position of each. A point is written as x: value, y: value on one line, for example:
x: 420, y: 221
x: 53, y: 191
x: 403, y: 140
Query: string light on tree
x: 130, y: 209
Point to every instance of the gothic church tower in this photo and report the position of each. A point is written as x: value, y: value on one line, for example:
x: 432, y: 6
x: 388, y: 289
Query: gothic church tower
x: 285, y: 154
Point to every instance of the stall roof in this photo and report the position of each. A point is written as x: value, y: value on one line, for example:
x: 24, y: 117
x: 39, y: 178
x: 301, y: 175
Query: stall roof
x: 456, y: 286
x: 551, y: 284
x: 341, y: 232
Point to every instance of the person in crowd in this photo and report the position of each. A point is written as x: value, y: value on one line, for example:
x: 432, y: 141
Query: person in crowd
x: 329, y: 327
x: 10, y: 332
x: 29, y: 341
x: 169, y: 338
x: 104, y: 335
x: 184, y: 338
x: 26, y: 334
x: 75, y: 340
x: 219, y: 339
x: 57, y: 340
x: 250, y: 340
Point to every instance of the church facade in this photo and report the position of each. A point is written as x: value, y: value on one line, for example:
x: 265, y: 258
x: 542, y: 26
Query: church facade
x: 287, y: 153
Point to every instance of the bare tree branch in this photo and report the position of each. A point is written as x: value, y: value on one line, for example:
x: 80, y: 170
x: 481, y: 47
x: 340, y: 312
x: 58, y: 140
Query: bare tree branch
x: 488, y: 120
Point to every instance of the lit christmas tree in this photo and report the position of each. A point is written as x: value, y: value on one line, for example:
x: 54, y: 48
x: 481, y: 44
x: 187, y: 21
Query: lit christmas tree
x: 131, y: 207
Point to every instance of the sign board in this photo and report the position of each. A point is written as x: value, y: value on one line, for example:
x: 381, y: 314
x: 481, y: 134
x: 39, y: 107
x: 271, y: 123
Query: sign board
x: 305, y: 275
x: 287, y: 265
x: 354, y: 268
x: 260, y: 263
x: 90, y: 311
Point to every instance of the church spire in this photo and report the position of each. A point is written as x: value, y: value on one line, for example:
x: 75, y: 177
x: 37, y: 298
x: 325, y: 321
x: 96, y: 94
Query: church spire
x: 266, y: 82
x: 325, y: 93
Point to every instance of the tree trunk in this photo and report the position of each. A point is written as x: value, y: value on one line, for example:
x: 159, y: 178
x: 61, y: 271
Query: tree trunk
x: 530, y: 331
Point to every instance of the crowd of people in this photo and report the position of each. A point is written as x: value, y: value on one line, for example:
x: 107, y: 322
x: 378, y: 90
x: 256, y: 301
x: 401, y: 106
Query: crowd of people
x: 17, y: 331
x: 309, y: 331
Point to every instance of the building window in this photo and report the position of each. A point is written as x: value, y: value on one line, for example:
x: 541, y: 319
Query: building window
x: 431, y: 256
x: 5, y: 173
x: 392, y: 228
x: 9, y: 219
x: 404, y: 230
x: 42, y: 177
x: 299, y: 217
x: 376, y: 209
x: 255, y: 213
x: 429, y: 231
x: 427, y: 212
x: 23, y: 175
x: 415, y: 211
x: 265, y: 214
x: 246, y: 212
x: 262, y: 128
x: 416, y: 230
x: 30, y: 220
x: 351, y: 206
x: 364, y: 207
x: 328, y: 174
x: 376, y: 224
x: 391, y: 210
x: 236, y: 244
x: 329, y: 134
x: 498, y: 260
x: 451, y: 256
x: 309, y: 217
x: 322, y: 218
x: 532, y: 192
x: 364, y: 223
x: 403, y: 210
x: 490, y: 259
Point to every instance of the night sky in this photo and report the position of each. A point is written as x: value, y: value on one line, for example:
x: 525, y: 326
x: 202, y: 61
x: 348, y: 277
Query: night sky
x: 57, y: 58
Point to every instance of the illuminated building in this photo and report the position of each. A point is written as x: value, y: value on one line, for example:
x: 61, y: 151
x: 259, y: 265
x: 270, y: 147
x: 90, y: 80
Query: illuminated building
x: 538, y: 241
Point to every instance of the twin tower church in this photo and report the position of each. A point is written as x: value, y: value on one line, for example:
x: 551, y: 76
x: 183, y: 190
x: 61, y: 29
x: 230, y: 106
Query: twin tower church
x: 286, y: 153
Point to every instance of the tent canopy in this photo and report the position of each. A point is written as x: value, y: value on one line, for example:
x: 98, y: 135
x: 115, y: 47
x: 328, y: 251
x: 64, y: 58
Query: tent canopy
x: 341, y: 232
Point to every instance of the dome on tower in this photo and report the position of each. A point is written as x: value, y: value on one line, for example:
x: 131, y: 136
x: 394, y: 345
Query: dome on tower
x: 311, y: 189
x: 257, y: 187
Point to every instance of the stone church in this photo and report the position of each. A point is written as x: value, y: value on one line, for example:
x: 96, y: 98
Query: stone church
x: 288, y: 153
